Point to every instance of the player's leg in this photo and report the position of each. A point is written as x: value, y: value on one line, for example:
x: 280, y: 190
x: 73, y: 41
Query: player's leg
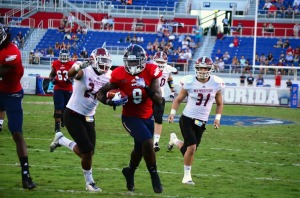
x: 2, y: 115
x: 14, y: 112
x: 83, y: 133
x: 192, y: 136
x: 158, y: 112
x: 67, y: 96
x: 58, y: 99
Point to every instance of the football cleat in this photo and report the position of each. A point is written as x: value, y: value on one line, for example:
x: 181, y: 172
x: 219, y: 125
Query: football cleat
x: 55, y: 142
x: 92, y: 187
x: 28, y: 183
x: 188, y: 181
x: 172, y: 141
x: 157, y: 187
x: 129, y: 176
x: 1, y: 127
x: 156, y: 147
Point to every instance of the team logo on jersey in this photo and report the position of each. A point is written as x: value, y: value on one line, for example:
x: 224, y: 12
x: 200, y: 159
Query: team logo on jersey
x: 156, y: 72
x: 10, y: 58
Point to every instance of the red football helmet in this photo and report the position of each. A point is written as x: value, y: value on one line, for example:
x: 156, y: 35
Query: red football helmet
x: 203, y: 62
x: 102, y: 60
x: 161, y: 59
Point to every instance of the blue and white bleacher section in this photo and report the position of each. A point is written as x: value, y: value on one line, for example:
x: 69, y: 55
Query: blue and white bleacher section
x: 95, y: 39
x: 245, y: 48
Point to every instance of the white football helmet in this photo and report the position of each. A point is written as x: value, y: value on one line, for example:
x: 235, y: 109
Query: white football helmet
x: 203, y: 62
x: 102, y: 60
x: 161, y: 59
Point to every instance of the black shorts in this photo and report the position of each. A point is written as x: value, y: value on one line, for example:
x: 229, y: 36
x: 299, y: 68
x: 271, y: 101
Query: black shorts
x: 82, y: 130
x: 191, y: 132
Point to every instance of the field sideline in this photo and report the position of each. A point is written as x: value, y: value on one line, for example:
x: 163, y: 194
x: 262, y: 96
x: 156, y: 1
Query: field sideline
x: 233, y: 161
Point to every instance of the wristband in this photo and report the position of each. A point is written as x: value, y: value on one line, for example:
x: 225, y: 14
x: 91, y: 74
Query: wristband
x: 77, y: 67
x: 149, y: 91
x: 173, y: 111
x: 218, y: 116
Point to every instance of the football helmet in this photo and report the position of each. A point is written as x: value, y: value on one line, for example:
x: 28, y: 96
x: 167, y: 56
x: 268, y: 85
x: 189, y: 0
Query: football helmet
x: 134, y: 59
x: 161, y: 59
x: 101, y: 60
x: 64, y: 55
x: 3, y: 34
x: 203, y: 62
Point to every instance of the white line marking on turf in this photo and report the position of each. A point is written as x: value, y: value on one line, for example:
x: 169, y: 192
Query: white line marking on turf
x: 163, y: 172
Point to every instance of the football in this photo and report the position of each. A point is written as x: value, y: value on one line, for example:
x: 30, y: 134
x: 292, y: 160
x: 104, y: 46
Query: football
x: 111, y: 94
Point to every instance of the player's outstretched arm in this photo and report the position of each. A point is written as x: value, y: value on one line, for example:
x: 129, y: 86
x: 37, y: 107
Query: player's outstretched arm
x: 176, y: 103
x: 219, y: 109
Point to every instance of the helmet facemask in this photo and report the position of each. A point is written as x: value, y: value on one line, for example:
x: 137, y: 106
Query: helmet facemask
x: 134, y: 59
x: 134, y: 65
x: 203, y: 62
x: 64, y: 56
x: 102, y: 61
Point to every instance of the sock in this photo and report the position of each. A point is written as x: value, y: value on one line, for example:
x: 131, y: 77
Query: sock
x: 88, y: 176
x: 67, y: 143
x: 156, y: 138
x: 24, y: 167
x: 187, y: 172
x: 57, y: 126
x: 1, y: 122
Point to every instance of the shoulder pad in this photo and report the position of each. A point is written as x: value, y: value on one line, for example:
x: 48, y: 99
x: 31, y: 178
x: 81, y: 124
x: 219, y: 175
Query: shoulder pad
x: 186, y: 81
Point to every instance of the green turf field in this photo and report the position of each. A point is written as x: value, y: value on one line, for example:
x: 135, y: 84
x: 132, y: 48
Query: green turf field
x: 233, y: 161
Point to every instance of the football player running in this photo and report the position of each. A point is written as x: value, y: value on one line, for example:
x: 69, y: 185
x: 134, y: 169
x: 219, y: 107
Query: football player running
x: 89, y: 76
x: 161, y: 59
x: 11, y: 95
x: 139, y: 81
x: 201, y: 90
x: 63, y: 87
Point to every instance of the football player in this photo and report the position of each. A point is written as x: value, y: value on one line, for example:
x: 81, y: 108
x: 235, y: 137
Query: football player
x: 11, y: 95
x: 201, y: 90
x: 89, y: 76
x: 139, y: 81
x: 161, y: 59
x: 63, y: 87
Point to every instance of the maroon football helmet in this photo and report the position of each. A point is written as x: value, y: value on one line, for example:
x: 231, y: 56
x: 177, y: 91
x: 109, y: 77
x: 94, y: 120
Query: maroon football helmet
x: 102, y: 60
x: 161, y: 59
x: 203, y: 62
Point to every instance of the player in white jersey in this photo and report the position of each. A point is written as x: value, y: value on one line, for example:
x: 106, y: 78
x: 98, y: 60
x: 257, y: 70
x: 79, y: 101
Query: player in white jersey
x: 89, y: 77
x: 201, y: 91
x: 161, y: 59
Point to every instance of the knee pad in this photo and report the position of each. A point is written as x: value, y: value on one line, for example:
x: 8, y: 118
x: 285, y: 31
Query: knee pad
x: 158, y: 119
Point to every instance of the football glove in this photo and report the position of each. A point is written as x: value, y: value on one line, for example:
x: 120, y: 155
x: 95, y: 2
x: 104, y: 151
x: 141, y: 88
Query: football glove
x: 117, y: 100
x: 172, y: 95
x: 69, y: 81
x: 140, y: 82
x: 53, y: 81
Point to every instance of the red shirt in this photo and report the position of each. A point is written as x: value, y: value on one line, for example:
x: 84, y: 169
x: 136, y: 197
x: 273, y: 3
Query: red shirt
x: 10, y: 82
x: 139, y: 103
x: 278, y: 80
x: 61, y: 71
x: 235, y: 42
